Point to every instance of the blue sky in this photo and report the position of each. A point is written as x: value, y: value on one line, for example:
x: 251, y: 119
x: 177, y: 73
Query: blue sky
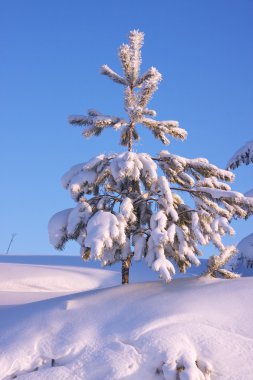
x: 51, y: 52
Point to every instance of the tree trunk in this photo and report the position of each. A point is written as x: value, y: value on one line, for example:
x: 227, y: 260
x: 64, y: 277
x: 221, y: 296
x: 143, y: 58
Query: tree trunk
x: 125, y: 270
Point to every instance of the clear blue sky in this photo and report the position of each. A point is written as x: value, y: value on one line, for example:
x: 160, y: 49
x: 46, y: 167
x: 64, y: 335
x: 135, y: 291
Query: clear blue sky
x: 51, y: 52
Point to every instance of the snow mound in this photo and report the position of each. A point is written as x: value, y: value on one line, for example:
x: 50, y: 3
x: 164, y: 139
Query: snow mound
x: 139, y: 271
x: 192, y: 329
x: 39, y: 278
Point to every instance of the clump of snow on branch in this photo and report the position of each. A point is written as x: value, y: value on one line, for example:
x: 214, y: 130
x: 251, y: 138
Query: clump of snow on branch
x: 57, y: 228
x: 127, y: 210
x: 103, y: 231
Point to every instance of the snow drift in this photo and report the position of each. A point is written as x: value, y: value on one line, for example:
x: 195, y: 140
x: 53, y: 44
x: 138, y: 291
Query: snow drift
x: 193, y: 328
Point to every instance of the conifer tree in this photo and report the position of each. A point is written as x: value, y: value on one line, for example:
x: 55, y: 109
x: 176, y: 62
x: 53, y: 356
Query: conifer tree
x: 125, y: 209
x: 244, y: 155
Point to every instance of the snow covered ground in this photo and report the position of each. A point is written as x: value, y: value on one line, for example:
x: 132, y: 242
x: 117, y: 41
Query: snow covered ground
x: 61, y: 320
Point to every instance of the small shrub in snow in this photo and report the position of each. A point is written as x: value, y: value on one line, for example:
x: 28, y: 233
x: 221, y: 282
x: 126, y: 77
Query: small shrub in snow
x: 125, y: 208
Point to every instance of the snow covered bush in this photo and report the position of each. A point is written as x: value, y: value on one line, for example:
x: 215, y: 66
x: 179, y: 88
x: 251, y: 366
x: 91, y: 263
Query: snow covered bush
x: 131, y: 204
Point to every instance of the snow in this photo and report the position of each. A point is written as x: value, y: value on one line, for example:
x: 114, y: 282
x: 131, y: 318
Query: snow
x: 242, y: 155
x: 242, y: 263
x: 103, y: 231
x: 73, y: 322
x: 149, y: 167
x: 126, y: 164
x: 21, y: 283
x: 79, y: 214
x: 249, y: 193
x: 217, y: 193
x: 80, y: 181
x: 196, y: 229
x: 140, y: 243
x: 127, y: 210
x: 246, y: 246
x: 66, y: 178
x: 57, y: 226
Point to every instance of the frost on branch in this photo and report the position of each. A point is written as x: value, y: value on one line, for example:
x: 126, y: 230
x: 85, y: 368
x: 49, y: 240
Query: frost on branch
x: 133, y: 205
x: 95, y: 122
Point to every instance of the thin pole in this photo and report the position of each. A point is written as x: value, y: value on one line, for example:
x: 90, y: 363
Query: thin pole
x: 11, y: 241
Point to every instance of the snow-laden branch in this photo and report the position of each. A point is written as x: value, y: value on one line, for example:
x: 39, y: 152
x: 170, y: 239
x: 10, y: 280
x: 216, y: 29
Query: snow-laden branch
x: 244, y: 155
x: 148, y: 217
x: 105, y: 70
x: 96, y: 123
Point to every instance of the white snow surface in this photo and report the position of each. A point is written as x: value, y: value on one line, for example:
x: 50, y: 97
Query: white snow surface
x: 53, y: 308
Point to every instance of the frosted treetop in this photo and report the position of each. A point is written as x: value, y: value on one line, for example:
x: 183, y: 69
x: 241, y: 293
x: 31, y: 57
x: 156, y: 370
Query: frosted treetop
x: 139, y: 89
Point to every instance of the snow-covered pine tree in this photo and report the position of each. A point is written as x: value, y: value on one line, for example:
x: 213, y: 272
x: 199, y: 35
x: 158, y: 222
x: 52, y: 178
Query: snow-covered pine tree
x: 125, y: 208
x: 244, y: 259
